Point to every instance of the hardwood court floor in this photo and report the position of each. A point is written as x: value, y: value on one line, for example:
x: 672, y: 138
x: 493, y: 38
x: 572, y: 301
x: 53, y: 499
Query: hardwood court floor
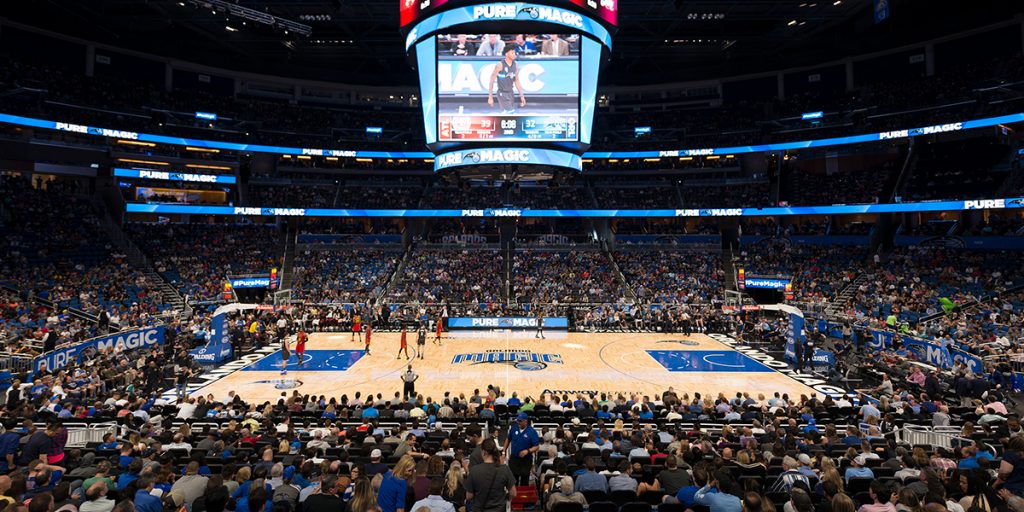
x: 564, y: 362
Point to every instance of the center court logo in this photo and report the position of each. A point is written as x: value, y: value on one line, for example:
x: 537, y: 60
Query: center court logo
x: 687, y: 343
x: 526, y: 360
x: 281, y: 383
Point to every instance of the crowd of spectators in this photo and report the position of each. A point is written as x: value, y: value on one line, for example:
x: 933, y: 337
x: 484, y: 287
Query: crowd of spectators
x: 550, y: 197
x: 561, y: 277
x: 465, y: 196
x: 921, y: 281
x: 379, y: 197
x: 671, y: 277
x: 58, y: 259
x: 662, y: 195
x: 451, y: 230
x: 860, y: 186
x: 450, y: 276
x: 751, y: 195
x: 935, y: 227
x: 493, y: 448
x: 998, y: 226
x: 292, y: 196
x: 818, y: 272
x: 197, y: 258
x: 345, y: 276
x: 959, y: 169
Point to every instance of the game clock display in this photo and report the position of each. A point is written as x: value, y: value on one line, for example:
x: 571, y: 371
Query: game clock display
x: 505, y: 127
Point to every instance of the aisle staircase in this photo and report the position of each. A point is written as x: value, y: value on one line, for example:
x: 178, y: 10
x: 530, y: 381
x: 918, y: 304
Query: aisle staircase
x: 291, y: 235
x: 619, y: 276
x: 729, y: 266
x: 846, y: 295
x: 168, y: 292
x: 384, y: 290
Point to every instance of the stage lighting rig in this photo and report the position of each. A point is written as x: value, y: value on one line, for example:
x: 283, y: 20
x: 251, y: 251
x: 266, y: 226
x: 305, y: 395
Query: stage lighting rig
x: 246, y: 13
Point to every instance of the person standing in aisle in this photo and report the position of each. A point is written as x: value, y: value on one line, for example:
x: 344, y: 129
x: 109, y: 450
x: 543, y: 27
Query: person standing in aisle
x: 521, y: 443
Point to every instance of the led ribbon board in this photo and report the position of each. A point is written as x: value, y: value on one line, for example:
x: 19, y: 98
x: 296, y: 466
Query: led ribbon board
x: 499, y: 156
x: 595, y: 155
x: 934, y: 206
x: 173, y: 176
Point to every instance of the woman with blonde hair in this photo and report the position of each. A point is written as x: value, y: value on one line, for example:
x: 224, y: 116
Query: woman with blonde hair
x: 827, y: 463
x: 363, y: 498
x: 832, y: 475
x: 395, y: 484
x: 453, y: 491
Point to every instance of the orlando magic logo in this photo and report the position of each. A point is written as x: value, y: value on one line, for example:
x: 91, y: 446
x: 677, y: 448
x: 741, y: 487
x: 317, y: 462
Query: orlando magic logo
x: 950, y: 242
x: 282, y: 383
x: 688, y: 343
x: 472, y: 157
x: 525, y: 360
x: 529, y: 11
x: 1016, y: 202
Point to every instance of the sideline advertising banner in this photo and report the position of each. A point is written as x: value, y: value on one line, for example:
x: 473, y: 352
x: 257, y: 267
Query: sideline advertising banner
x: 507, y: 323
x: 120, y: 342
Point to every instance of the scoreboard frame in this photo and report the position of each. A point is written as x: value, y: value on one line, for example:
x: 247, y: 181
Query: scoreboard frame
x: 536, y: 17
x: 412, y: 11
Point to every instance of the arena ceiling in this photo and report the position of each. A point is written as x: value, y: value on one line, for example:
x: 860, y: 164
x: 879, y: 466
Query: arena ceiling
x: 357, y: 41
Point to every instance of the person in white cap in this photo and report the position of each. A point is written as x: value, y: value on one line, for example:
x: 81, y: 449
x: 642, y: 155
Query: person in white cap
x: 857, y: 469
x: 375, y: 466
x: 806, y: 468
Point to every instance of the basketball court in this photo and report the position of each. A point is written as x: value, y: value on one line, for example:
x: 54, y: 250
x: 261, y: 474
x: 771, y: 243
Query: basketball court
x: 564, y: 363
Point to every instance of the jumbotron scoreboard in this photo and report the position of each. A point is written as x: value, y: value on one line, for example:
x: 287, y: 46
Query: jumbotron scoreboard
x: 508, y: 82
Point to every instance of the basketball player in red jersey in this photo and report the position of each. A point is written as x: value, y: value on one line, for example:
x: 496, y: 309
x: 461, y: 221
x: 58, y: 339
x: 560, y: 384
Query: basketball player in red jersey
x: 403, y: 345
x: 437, y: 335
x: 300, y: 344
x: 369, y: 332
x: 357, y: 326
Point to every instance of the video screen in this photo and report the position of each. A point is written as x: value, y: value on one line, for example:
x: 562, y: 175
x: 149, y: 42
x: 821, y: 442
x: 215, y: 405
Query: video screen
x: 508, y: 87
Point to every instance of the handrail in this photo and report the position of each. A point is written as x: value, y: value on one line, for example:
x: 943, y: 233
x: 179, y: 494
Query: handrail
x: 945, y: 437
